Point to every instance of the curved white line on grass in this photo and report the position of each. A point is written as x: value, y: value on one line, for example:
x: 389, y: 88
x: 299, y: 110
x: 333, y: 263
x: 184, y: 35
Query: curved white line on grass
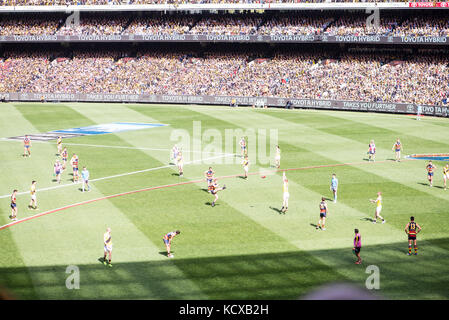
x: 172, y: 185
x: 117, y: 175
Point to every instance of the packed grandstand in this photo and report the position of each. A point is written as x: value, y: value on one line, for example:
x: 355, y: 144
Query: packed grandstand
x: 304, y: 23
x: 135, y: 2
x: 414, y: 74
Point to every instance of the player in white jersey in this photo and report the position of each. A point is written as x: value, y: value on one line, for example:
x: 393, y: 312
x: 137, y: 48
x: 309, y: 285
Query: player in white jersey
x: 180, y: 163
x: 243, y: 147
x: 277, y: 159
x: 107, y: 240
x: 371, y: 151
x: 245, y: 163
x: 445, y: 175
x: 57, y: 170
x: 175, y: 152
x: 334, y: 186
x: 378, y: 203
x: 33, y: 202
x: 286, y: 195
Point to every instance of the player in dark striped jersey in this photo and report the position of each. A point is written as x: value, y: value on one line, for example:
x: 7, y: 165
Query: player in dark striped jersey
x: 64, y: 158
x: 59, y: 145
x: 14, y: 205
x: 357, y: 246
x: 412, y: 229
x: 213, y: 189
x: 430, y: 171
x: 323, y: 214
x: 210, y: 175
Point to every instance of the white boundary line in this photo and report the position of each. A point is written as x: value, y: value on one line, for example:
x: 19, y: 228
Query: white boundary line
x: 118, y: 147
x: 119, y: 175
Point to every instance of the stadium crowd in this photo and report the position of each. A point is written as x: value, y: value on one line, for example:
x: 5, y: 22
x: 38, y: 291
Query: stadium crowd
x: 250, y: 24
x: 423, y: 79
x: 174, y: 2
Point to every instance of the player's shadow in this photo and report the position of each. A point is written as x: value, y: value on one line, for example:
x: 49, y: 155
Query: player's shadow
x: 210, y: 204
x: 241, y: 177
x: 328, y: 199
x: 368, y: 219
x: 102, y: 260
x: 54, y: 180
x: 314, y: 225
x: 423, y: 184
x: 205, y: 189
x: 175, y: 174
x: 164, y: 253
x: 277, y: 210
x: 71, y: 174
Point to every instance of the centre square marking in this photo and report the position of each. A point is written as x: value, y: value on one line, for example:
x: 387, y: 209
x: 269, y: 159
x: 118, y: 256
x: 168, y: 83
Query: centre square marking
x: 91, y: 130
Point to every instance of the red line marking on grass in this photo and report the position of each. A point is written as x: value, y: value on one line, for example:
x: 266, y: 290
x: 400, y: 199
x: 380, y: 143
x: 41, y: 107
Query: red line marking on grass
x: 175, y: 185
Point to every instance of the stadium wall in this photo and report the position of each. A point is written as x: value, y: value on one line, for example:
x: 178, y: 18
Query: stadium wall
x: 368, y: 39
x: 399, y: 108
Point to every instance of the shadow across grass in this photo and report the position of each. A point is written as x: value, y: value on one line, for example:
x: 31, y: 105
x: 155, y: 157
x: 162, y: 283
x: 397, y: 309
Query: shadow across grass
x: 272, y: 276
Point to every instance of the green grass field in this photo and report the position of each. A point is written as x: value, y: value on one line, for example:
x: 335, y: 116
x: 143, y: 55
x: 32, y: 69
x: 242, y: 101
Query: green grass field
x: 243, y: 248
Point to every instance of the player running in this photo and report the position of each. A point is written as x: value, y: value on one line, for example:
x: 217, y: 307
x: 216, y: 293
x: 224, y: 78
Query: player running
x: 323, y: 214
x: 59, y: 145
x: 334, y: 186
x: 180, y: 163
x: 14, y: 205
x: 243, y: 148
x: 245, y: 163
x: 57, y: 170
x: 357, y: 246
x: 33, y: 202
x: 277, y: 158
x: 378, y: 202
x: 107, y: 240
x: 64, y: 158
x: 412, y: 229
x: 371, y: 151
x: 85, y: 177
x: 74, y: 163
x: 445, y: 175
x: 168, y: 239
x: 210, y: 175
x: 26, y: 146
x: 430, y: 169
x: 213, y: 189
x: 286, y: 194
x: 397, y: 147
